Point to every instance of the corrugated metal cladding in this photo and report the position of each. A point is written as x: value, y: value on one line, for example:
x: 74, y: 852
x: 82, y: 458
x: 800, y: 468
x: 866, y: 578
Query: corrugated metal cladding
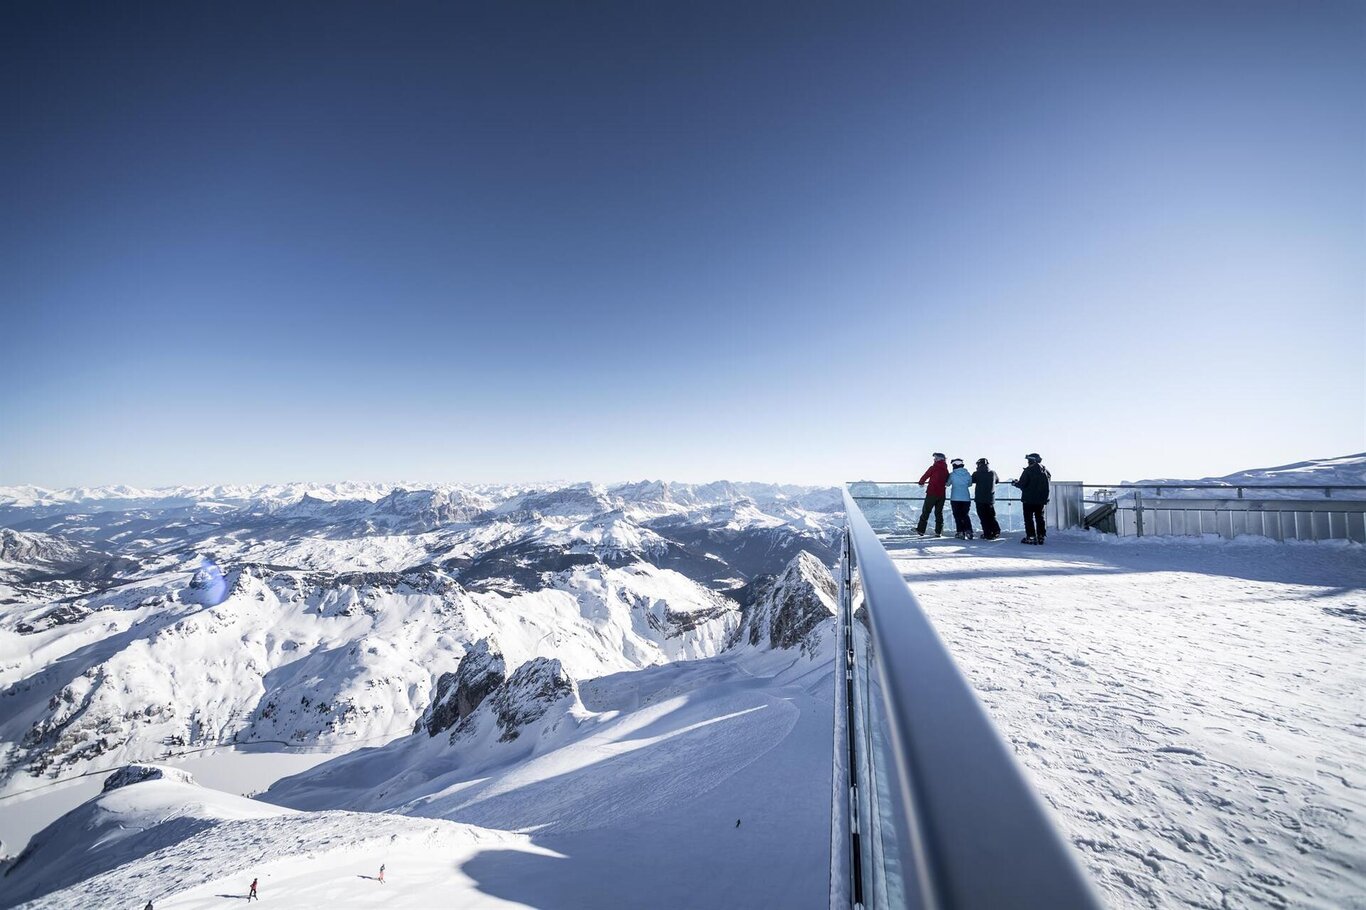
x: 1278, y: 519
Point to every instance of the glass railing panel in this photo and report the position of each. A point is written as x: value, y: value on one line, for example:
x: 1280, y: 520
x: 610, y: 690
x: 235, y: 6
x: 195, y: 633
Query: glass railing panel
x: 887, y: 882
x: 893, y: 509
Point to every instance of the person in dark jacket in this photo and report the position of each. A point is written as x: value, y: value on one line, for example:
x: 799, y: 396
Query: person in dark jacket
x: 984, y: 481
x: 936, y: 475
x: 1033, y: 485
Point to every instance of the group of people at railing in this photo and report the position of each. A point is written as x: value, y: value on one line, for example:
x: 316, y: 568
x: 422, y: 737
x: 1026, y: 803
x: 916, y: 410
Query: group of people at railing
x: 961, y: 488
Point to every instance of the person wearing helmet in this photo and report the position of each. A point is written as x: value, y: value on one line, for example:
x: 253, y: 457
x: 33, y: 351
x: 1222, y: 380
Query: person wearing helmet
x: 1033, y: 486
x: 984, y: 481
x: 960, y: 499
x: 936, y: 475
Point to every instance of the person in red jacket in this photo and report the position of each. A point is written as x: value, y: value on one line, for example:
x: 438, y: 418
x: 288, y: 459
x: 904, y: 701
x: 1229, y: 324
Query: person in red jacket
x: 935, y: 476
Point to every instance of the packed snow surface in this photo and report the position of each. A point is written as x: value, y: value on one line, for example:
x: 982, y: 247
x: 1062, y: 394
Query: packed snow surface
x: 1194, y: 712
x: 184, y: 846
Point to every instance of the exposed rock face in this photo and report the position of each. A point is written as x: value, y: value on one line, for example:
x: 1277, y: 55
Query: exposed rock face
x: 26, y: 556
x: 789, y: 610
x: 458, y: 694
x: 136, y: 774
x: 525, y: 698
x: 38, y: 549
x: 431, y: 509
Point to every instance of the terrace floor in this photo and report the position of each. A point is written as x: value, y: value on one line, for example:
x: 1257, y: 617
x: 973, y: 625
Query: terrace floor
x: 1192, y: 710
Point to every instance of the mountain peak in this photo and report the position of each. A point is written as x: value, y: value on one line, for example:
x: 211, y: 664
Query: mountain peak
x: 459, y: 694
x: 537, y: 686
x: 137, y: 773
x: 788, y: 610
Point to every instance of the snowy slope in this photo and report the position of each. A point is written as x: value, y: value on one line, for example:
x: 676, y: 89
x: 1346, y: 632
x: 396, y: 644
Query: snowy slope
x: 185, y: 846
x: 142, y: 809
x: 639, y: 777
x: 299, y: 658
x: 791, y: 636
x: 342, y: 605
x: 626, y: 815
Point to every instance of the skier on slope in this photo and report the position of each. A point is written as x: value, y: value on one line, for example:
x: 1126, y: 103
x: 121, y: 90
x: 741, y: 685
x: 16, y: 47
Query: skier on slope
x: 1033, y: 485
x: 936, y: 474
x: 984, y: 481
x: 381, y: 873
x: 252, y: 895
x: 960, y: 499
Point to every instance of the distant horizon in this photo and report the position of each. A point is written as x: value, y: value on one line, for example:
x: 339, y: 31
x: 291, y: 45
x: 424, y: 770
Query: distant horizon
x: 412, y: 483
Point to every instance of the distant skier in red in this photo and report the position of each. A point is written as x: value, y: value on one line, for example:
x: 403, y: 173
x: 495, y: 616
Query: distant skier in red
x: 936, y: 475
x: 252, y: 895
x: 381, y: 873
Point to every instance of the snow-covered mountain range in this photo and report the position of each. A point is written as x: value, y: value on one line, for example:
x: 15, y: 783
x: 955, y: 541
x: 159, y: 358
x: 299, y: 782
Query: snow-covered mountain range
x: 426, y: 636
x: 319, y: 615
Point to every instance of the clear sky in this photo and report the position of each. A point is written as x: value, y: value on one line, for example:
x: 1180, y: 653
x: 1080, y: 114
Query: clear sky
x: 690, y: 240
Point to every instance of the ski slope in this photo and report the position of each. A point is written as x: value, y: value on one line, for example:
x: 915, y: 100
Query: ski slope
x: 1193, y: 711
x: 639, y: 805
x: 189, y: 847
x: 653, y: 780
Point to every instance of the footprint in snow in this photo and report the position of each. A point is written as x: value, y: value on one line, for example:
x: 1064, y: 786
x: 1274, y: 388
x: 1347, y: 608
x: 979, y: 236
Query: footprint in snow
x: 1180, y: 750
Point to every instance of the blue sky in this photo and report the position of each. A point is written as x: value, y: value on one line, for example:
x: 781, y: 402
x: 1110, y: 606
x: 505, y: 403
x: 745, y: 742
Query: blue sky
x: 787, y: 241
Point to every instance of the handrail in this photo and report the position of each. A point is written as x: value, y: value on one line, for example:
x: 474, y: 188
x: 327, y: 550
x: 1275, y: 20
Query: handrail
x: 1154, y: 486
x: 979, y: 837
x: 1227, y: 486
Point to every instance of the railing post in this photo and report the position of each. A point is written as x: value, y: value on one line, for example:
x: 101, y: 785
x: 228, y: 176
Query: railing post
x: 1138, y: 511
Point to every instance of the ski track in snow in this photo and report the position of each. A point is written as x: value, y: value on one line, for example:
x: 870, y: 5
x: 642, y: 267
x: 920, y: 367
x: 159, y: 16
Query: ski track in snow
x: 1194, y: 712
x: 306, y: 860
x: 642, y: 809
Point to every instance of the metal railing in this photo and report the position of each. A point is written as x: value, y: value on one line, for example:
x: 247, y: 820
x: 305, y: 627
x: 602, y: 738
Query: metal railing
x: 893, y: 507
x: 1310, y: 513
x: 1326, y: 489
x: 929, y: 808
x: 1142, y: 510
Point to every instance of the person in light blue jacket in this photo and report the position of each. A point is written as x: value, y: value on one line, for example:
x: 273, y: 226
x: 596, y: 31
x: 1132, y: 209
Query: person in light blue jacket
x: 961, y: 500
